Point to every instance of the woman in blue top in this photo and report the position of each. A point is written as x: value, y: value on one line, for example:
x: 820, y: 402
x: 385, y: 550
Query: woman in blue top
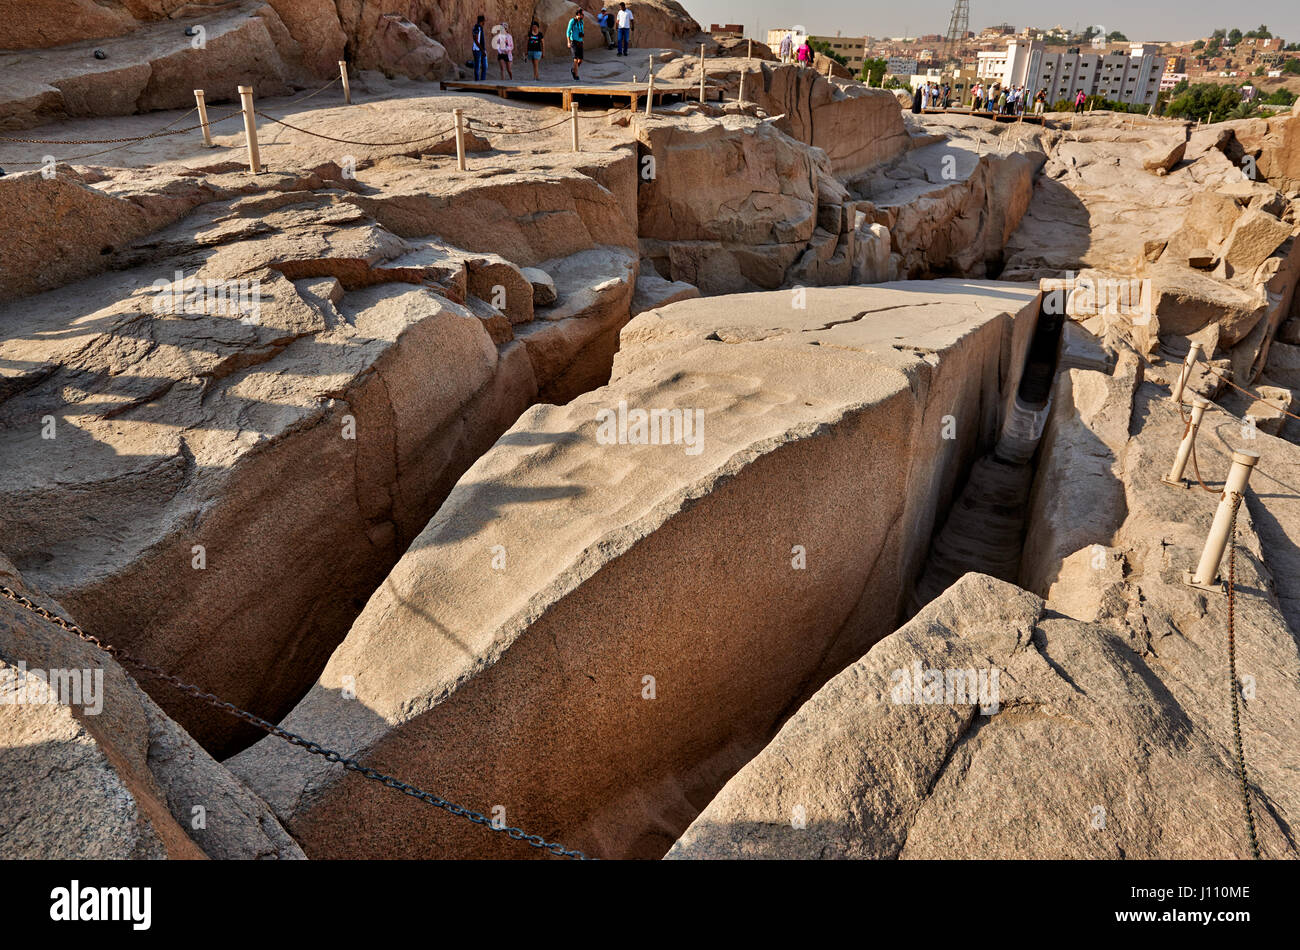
x: 575, y: 34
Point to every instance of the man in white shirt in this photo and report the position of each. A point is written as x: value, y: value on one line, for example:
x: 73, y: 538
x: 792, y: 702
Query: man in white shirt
x: 624, y: 22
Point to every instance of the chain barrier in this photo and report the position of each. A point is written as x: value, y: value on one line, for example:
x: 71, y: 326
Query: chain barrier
x: 319, y: 135
x: 126, y: 143
x: 1233, y: 688
x: 330, y: 755
x: 497, y: 131
x: 292, y: 102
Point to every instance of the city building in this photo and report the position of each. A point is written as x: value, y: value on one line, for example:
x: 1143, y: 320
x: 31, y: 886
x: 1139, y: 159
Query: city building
x: 900, y: 66
x: 1130, y: 75
x: 852, y: 48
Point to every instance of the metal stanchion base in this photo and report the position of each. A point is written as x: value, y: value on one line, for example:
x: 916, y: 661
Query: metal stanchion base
x: 1176, y: 482
x: 1216, y: 587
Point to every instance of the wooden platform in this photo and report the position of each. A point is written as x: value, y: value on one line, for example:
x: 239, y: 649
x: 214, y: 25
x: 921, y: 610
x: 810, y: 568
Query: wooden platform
x: 983, y: 114
x: 632, y: 91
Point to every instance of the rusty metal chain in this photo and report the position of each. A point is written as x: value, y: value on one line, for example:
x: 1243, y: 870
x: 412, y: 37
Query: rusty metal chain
x: 1233, y: 688
x: 1187, y: 427
x: 352, y: 765
x: 160, y: 133
x: 319, y: 135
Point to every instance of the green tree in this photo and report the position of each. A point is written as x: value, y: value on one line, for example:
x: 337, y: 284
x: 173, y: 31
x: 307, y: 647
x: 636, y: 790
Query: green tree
x: 1260, y: 34
x: 1212, y: 47
x: 1234, y: 37
x: 1115, y: 36
x: 1204, y: 100
x: 1199, y: 44
x: 1261, y: 71
x: 1291, y: 67
x: 873, y: 70
x: 1219, y: 35
x: 1280, y: 97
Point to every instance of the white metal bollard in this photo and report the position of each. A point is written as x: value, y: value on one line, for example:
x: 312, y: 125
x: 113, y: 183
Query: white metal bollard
x: 573, y: 110
x: 347, y: 87
x: 750, y: 54
x: 459, y: 115
x: 250, y: 129
x: 701, y: 72
x: 1186, y: 372
x: 1175, y: 476
x: 740, y: 94
x: 1207, y: 571
x: 650, y: 86
x: 201, y: 100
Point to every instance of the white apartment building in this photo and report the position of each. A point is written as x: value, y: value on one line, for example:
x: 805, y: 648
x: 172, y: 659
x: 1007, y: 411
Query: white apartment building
x: 900, y: 66
x: 1131, y: 76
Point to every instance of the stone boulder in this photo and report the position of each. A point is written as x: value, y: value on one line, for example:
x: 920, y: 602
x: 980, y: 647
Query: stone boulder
x: 1161, y: 157
x: 513, y: 656
x: 398, y: 47
x: 129, y: 782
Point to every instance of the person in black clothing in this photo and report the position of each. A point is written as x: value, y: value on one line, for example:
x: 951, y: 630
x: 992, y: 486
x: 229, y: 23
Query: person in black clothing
x: 479, y: 43
x: 535, y: 46
x: 916, y: 101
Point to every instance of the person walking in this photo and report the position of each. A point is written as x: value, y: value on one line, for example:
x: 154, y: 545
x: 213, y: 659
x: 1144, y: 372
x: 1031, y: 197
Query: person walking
x: 574, y: 33
x: 605, y: 20
x: 479, y: 45
x: 504, y: 44
x: 977, y: 97
x: 626, y: 22
x: 1079, y: 99
x: 535, y: 46
x: 787, y: 47
x: 804, y: 54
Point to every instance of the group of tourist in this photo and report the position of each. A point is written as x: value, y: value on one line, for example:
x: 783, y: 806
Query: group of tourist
x: 1006, y: 100
x: 615, y: 27
x: 789, y: 53
x: 930, y: 95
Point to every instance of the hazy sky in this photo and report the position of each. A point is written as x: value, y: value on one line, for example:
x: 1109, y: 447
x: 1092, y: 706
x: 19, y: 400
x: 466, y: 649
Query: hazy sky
x: 1152, y: 20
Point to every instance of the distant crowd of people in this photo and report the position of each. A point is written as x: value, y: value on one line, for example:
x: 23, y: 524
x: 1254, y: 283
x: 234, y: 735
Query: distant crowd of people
x: 995, y: 98
x: 616, y: 28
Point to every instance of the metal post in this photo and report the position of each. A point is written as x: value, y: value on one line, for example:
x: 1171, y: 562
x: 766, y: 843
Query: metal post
x: 1207, y: 571
x: 1175, y: 476
x: 1186, y: 372
x: 740, y: 95
x: 750, y: 54
x: 250, y: 129
x: 573, y: 109
x: 650, y: 86
x: 347, y: 87
x: 459, y: 115
x: 199, y: 97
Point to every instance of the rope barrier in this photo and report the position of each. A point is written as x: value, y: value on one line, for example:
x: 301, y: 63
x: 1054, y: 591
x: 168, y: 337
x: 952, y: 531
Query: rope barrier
x: 332, y: 138
x: 352, y: 765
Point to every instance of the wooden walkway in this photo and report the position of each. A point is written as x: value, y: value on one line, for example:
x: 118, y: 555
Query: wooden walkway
x: 984, y: 114
x: 633, y: 91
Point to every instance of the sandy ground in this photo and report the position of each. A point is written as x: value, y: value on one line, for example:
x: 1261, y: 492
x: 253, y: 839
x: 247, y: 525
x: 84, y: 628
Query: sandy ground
x: 382, y: 111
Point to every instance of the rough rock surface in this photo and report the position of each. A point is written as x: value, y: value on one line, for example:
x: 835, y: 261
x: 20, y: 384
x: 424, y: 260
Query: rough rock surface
x: 855, y: 126
x: 129, y: 782
x: 520, y: 625
x: 148, y: 443
x: 1111, y: 736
